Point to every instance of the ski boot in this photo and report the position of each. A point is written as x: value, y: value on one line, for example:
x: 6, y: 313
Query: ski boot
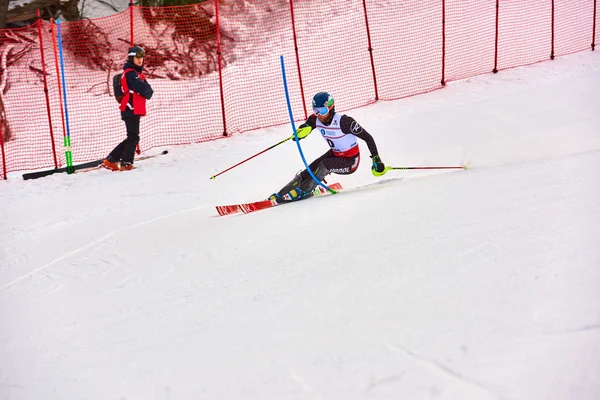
x: 110, y: 165
x: 275, y: 196
x: 293, y: 195
x: 126, y: 166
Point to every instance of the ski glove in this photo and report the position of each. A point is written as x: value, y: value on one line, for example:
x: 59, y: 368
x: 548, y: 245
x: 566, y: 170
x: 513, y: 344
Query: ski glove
x: 378, y: 167
x: 302, y: 133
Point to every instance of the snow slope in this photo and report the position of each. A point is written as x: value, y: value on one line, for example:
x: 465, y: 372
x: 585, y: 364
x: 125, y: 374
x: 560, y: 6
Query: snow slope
x: 479, y: 284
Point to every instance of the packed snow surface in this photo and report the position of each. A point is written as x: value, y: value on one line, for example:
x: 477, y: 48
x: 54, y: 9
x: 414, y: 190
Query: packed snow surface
x: 479, y: 284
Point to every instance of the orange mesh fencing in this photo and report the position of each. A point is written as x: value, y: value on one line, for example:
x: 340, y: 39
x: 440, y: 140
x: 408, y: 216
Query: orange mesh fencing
x: 23, y: 112
x: 596, y: 25
x: 470, y: 38
x: 215, y: 68
x: 573, y: 23
x: 407, y: 47
x: 251, y: 43
x: 182, y: 64
x: 525, y: 33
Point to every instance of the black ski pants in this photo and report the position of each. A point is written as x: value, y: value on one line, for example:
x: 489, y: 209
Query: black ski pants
x: 321, y: 167
x: 125, y: 151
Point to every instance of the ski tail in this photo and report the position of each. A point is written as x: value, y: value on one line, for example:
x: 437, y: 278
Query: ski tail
x: 41, y: 174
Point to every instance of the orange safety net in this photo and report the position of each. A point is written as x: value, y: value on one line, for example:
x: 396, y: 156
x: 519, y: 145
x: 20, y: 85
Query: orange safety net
x: 23, y: 108
x: 215, y: 67
x: 470, y: 38
x: 407, y: 47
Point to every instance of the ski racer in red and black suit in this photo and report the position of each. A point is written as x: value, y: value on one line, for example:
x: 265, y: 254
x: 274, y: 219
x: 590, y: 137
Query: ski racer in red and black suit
x: 340, y: 132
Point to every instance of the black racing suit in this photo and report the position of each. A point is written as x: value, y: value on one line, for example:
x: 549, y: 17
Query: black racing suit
x: 329, y: 162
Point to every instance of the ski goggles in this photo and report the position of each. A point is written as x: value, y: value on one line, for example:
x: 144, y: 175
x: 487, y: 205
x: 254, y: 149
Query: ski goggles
x: 321, y: 110
x: 140, y: 54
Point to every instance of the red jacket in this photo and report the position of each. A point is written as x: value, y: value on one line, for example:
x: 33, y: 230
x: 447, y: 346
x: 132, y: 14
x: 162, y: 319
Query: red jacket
x: 132, y: 100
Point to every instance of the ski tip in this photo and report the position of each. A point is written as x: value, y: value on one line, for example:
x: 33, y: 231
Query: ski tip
x: 226, y: 210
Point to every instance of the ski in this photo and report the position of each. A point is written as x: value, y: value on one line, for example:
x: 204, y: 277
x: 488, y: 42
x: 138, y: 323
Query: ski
x: 264, y: 204
x: 140, y: 158
x: 79, y: 168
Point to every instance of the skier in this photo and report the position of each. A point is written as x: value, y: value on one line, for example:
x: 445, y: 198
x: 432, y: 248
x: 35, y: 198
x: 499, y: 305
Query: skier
x: 340, y: 132
x: 133, y: 106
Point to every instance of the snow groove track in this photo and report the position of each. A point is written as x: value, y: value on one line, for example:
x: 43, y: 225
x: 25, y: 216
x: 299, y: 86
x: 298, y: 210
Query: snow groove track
x: 99, y: 241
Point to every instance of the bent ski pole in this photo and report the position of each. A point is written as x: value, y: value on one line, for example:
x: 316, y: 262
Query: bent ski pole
x: 250, y: 158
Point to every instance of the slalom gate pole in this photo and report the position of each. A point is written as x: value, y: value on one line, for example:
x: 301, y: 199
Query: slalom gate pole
x: 287, y: 98
x: 67, y: 139
x: 250, y: 158
x: 3, y: 155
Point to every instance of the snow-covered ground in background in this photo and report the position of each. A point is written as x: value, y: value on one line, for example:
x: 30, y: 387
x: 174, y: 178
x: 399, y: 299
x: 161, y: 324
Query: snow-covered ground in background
x: 478, y: 284
x: 88, y: 8
x: 16, y: 3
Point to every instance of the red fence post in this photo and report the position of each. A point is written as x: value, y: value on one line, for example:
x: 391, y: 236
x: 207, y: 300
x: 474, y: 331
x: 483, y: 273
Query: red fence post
x: 44, y: 73
x: 131, y: 23
x: 594, y: 29
x: 552, y: 51
x: 443, y: 43
x: 220, y: 68
x: 298, y: 58
x: 371, y: 51
x: 495, y: 70
x: 3, y: 155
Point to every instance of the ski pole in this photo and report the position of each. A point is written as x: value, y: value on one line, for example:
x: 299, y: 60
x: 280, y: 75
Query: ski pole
x: 389, y: 168
x: 458, y: 167
x: 250, y: 158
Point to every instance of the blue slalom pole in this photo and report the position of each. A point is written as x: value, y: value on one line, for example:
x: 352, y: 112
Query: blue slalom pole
x: 67, y: 139
x: 287, y: 98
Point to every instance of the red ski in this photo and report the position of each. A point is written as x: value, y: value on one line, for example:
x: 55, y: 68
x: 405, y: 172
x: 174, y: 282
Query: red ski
x: 261, y: 205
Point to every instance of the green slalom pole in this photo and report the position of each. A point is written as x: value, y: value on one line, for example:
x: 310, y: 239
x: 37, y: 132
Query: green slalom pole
x: 67, y: 138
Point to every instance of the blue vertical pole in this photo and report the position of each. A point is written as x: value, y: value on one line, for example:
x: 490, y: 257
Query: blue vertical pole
x: 287, y: 98
x: 67, y: 139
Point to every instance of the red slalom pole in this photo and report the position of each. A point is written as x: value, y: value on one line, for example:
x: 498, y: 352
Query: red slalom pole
x: 250, y: 158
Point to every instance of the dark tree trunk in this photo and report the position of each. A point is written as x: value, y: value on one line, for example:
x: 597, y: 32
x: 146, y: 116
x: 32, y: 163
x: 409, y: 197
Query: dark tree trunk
x: 3, y: 13
x: 70, y: 10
